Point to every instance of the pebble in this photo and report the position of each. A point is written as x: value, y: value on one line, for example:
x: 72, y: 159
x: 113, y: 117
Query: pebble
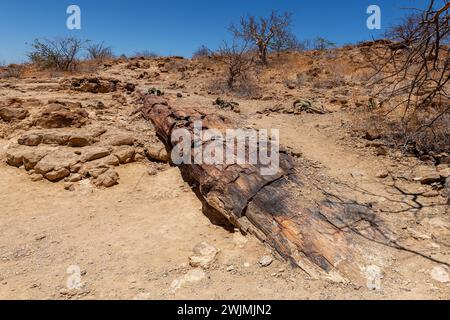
x: 265, y: 261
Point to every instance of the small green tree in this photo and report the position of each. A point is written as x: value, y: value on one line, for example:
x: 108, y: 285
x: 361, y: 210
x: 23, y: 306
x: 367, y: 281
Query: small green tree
x: 323, y: 44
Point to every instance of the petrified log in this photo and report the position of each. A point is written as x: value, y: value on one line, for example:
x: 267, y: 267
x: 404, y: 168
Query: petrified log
x: 317, y: 237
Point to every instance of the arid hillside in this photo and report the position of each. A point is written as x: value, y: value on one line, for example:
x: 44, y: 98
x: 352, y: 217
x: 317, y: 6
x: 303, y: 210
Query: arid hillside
x: 85, y: 181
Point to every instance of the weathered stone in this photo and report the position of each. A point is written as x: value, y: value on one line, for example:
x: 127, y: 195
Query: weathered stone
x: 265, y: 261
x: 57, y: 115
x: 204, y: 255
x: 372, y: 134
x: 440, y: 274
x: 62, y: 137
x: 55, y: 137
x: 13, y: 113
x: 382, y: 174
x: 57, y: 175
x: 94, y: 153
x: 118, y: 138
x: 14, y: 157
x: 75, y: 177
x: 157, y: 153
x: 79, y: 140
x: 32, y: 157
x: 380, y: 151
x: 93, y: 170
x: 55, y: 161
x: 428, y: 177
x: 110, y: 160
x: 95, y: 85
x: 107, y: 179
x: 444, y: 173
x: 125, y: 154
x: 69, y: 186
x: 30, y: 139
x: 36, y: 177
x: 430, y: 194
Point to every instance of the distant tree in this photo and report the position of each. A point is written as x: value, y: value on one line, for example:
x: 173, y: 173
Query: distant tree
x: 322, y: 44
x: 99, y: 52
x: 406, y: 31
x: 238, y: 60
x: 60, y: 54
x: 146, y: 54
x: 285, y: 41
x: 264, y: 32
x: 203, y: 51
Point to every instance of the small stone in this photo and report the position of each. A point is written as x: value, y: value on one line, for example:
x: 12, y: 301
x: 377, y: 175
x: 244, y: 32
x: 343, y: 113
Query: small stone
x: 125, y: 154
x: 440, y: 274
x: 12, y: 113
x: 195, y: 275
x: 120, y: 139
x: 57, y: 175
x: 230, y: 268
x: 204, y: 255
x: 356, y: 174
x: 40, y: 237
x: 78, y: 141
x: 380, y: 151
x: 75, y: 177
x: 111, y: 160
x: 265, y: 261
x: 35, y: 177
x: 444, y: 173
x: 382, y: 174
x: 94, y: 153
x: 108, y: 179
x: 69, y: 186
x: 430, y: 194
x: 426, y: 175
x: 157, y: 153
x: 152, y: 171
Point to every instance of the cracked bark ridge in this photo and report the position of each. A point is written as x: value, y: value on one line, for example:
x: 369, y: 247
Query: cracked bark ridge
x: 318, y: 239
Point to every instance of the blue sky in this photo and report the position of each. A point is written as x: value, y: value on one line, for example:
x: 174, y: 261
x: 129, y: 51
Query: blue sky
x: 178, y: 27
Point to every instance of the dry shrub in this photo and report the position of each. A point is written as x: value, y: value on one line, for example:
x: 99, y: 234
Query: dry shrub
x: 433, y: 139
x: 412, y: 78
x: 239, y: 70
x: 12, y: 71
x: 57, y: 54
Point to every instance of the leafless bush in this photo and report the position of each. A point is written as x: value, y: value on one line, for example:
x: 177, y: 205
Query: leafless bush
x: 12, y: 71
x: 201, y: 52
x: 238, y: 61
x: 99, y: 52
x: 266, y: 33
x: 415, y: 69
x: 59, y: 54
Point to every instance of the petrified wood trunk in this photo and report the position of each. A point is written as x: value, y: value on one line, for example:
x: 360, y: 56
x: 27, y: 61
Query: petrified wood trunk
x: 316, y: 238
